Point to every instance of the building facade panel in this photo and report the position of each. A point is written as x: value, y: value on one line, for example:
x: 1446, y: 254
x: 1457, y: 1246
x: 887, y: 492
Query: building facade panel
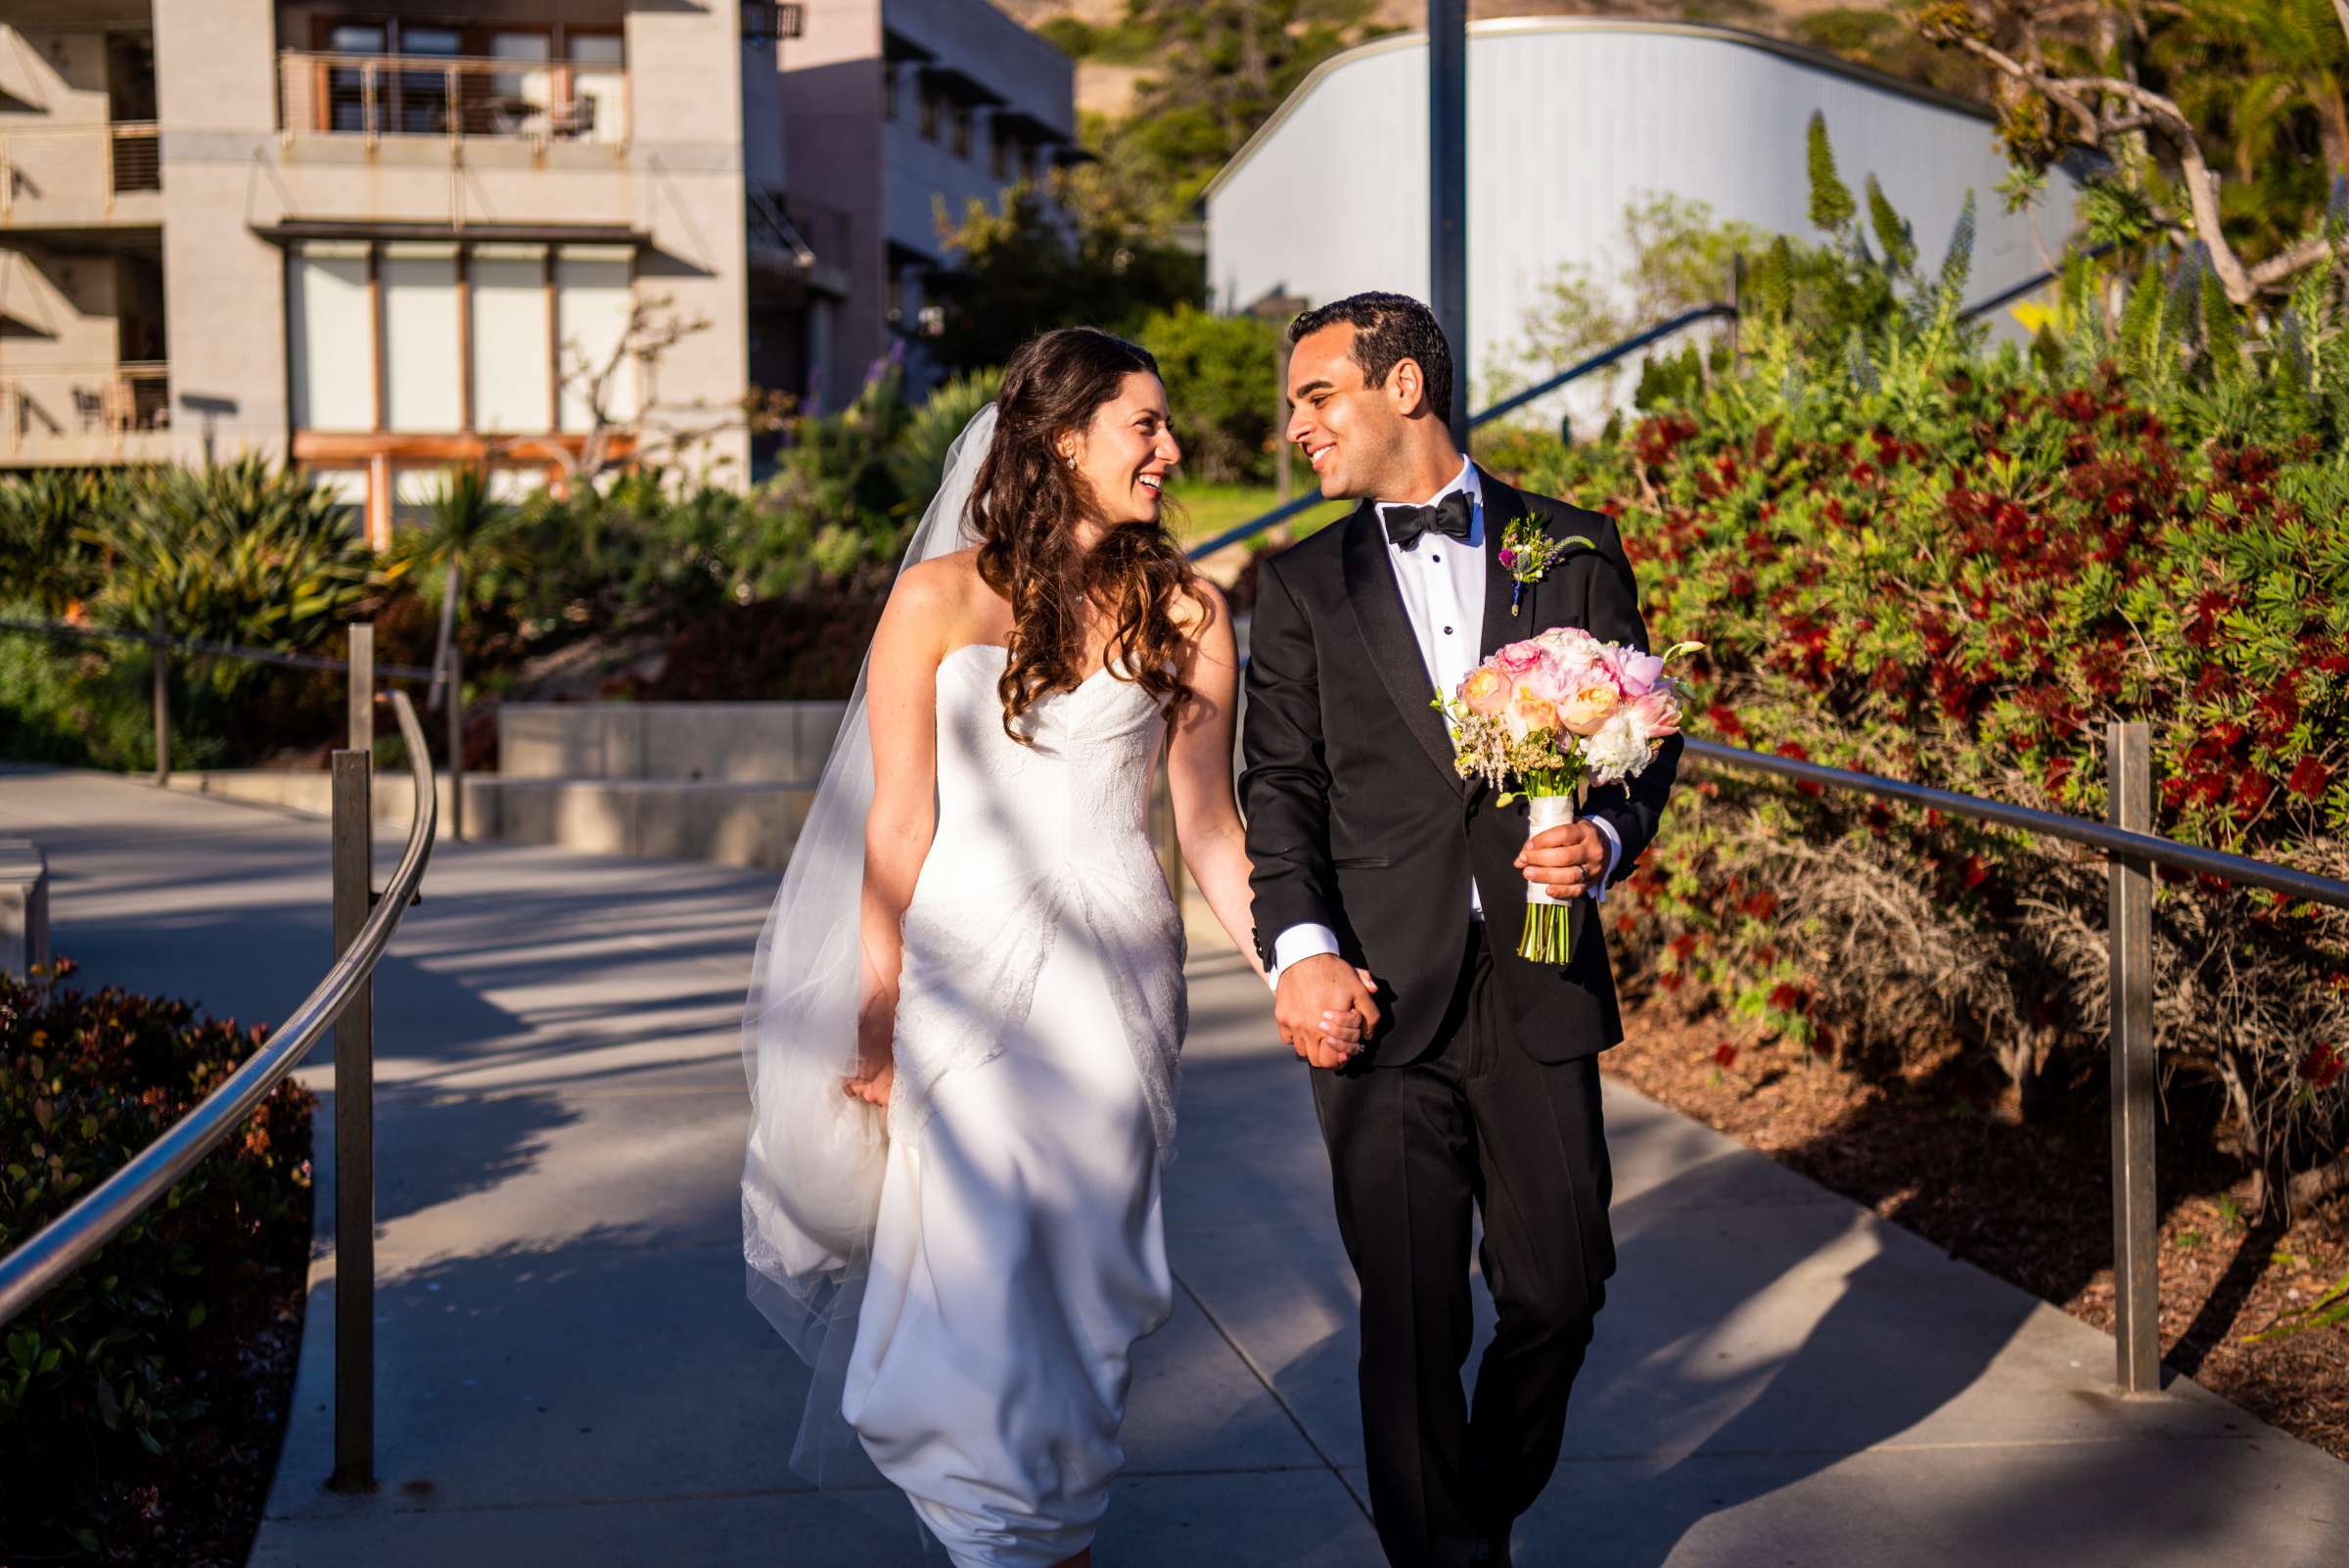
x: 1569, y: 122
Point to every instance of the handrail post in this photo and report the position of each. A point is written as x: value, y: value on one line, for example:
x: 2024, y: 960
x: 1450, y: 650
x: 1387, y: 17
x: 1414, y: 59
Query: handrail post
x: 2129, y: 935
x: 361, y: 689
x: 160, y: 643
x: 456, y: 742
x: 354, y: 1136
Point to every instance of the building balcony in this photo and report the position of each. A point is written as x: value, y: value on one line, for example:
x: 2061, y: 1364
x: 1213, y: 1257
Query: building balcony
x: 69, y: 418
x: 96, y: 175
x: 418, y: 144
x: 539, y: 103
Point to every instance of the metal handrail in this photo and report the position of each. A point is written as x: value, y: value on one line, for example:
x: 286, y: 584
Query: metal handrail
x: 67, y: 1241
x: 258, y: 656
x: 1596, y: 362
x: 2115, y: 841
x: 1605, y: 357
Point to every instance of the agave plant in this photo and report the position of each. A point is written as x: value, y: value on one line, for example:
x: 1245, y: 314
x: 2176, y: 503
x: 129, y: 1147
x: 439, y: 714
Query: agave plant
x: 46, y: 559
x: 244, y: 551
x: 917, y: 460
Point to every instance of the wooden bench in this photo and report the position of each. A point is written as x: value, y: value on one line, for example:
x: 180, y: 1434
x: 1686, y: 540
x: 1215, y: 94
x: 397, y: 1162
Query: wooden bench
x: 23, y: 907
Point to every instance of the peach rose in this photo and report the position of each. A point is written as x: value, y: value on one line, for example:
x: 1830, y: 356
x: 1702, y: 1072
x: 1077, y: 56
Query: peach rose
x: 1528, y: 712
x: 1589, y: 702
x: 1486, y: 691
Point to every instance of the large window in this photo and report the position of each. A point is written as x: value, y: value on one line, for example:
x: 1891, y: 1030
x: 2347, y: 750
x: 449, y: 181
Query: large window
x: 424, y: 373
x: 513, y: 340
x: 430, y: 339
x: 592, y: 299
x: 330, y: 332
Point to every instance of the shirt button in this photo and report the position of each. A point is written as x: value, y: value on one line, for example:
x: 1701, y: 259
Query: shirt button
x: 1446, y: 631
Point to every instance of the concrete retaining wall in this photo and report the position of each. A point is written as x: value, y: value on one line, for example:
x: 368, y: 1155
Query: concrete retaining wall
x: 23, y: 907
x: 747, y: 743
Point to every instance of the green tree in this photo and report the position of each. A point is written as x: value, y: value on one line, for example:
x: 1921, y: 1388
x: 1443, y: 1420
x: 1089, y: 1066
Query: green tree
x: 2262, y: 81
x: 1021, y: 267
x: 1220, y: 68
x: 1221, y: 374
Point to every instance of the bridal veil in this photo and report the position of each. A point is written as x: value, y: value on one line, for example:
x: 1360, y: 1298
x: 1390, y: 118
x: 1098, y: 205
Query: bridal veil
x: 812, y: 1176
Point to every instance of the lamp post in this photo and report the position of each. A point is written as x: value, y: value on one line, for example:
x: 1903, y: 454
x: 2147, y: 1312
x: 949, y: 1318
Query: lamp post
x: 1447, y: 192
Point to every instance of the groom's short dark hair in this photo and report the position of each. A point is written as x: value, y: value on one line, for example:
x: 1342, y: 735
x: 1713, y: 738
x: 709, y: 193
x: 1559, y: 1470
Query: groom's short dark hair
x: 1388, y: 329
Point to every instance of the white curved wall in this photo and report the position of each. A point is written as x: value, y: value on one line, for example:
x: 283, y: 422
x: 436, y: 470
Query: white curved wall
x: 1568, y: 122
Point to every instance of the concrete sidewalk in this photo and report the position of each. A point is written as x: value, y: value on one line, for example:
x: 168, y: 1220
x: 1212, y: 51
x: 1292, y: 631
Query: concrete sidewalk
x: 569, y: 1372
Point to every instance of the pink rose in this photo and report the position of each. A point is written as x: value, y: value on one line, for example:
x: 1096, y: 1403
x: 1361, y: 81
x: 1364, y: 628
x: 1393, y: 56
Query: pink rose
x: 1657, y: 713
x: 1514, y: 659
x: 1635, y: 672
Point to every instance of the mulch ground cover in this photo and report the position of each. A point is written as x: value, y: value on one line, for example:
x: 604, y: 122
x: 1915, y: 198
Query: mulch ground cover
x: 201, y: 1508
x: 1938, y: 1146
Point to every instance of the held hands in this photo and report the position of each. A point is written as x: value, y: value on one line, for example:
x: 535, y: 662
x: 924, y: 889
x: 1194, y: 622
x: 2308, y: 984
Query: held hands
x: 1568, y: 860
x: 876, y: 1054
x: 1324, y: 1009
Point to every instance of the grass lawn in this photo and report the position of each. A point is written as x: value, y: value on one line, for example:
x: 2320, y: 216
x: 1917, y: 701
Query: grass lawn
x: 1210, y: 509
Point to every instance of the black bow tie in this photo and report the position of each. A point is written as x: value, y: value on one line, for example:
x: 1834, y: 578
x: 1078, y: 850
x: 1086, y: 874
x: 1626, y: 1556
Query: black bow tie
x: 1450, y: 516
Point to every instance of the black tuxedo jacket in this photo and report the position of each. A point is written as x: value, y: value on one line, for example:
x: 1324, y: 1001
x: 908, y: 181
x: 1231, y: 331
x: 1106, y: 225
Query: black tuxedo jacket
x: 1359, y: 821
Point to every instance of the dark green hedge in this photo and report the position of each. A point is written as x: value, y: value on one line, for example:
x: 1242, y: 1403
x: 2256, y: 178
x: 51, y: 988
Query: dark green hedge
x: 106, y: 1382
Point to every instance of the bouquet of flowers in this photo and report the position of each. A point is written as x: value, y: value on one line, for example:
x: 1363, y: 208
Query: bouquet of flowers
x: 1556, y: 714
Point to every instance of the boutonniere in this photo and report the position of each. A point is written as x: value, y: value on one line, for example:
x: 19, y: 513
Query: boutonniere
x: 1528, y: 552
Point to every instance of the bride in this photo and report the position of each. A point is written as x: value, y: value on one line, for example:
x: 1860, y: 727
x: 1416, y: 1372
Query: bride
x: 963, y: 1028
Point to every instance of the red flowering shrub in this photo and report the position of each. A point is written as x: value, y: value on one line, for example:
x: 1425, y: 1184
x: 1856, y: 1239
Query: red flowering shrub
x: 101, y: 1380
x: 1957, y: 576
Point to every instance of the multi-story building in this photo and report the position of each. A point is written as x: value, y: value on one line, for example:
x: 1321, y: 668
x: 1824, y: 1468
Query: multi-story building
x: 895, y: 107
x: 380, y: 238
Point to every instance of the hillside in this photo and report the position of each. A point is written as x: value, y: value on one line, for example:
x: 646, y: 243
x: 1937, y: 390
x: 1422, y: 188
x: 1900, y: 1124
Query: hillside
x: 1117, y: 54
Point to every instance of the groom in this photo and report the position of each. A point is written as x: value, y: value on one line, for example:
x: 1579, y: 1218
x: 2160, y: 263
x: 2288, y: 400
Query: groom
x: 1386, y: 884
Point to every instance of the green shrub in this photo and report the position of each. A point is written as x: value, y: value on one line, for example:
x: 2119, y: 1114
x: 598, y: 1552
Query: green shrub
x: 103, y: 1381
x: 1956, y: 571
x: 1223, y: 376
x: 1912, y: 557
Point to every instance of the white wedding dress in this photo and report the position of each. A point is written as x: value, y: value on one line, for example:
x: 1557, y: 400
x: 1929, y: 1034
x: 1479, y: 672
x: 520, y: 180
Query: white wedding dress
x: 966, y: 1276
x: 1019, y: 1252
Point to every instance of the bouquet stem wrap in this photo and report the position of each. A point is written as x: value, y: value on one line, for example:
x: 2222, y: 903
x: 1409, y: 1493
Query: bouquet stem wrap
x: 1549, y: 936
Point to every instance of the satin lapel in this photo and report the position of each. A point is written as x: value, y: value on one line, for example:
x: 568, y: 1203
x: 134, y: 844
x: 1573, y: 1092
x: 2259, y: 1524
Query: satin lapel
x: 1502, y: 506
x: 1386, y: 628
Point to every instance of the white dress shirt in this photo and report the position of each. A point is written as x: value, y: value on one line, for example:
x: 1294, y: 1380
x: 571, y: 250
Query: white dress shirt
x: 1443, y: 586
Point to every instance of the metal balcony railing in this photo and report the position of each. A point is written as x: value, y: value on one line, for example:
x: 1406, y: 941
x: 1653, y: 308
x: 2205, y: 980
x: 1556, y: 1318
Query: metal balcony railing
x: 451, y: 97
x: 54, y: 170
x: 107, y: 405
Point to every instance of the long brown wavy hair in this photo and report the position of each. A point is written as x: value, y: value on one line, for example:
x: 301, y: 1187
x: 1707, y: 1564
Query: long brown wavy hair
x: 1026, y: 505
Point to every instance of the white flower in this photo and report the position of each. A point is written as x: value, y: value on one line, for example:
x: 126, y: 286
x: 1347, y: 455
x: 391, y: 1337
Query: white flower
x: 1574, y: 646
x: 1618, y: 750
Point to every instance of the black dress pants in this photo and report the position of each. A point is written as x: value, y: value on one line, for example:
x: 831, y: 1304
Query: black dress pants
x: 1477, y: 1122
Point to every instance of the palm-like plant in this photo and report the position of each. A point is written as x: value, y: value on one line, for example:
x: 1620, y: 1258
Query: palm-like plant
x: 241, y: 552
x: 470, y: 533
x: 46, y: 557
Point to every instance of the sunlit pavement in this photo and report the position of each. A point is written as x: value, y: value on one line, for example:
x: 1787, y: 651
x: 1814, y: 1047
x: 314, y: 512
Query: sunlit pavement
x: 569, y: 1372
